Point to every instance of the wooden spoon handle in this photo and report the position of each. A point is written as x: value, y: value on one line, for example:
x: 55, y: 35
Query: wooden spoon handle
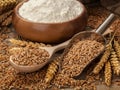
x: 61, y: 46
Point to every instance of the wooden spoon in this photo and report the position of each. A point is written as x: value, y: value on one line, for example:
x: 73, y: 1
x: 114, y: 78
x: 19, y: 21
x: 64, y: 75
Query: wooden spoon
x: 50, y: 50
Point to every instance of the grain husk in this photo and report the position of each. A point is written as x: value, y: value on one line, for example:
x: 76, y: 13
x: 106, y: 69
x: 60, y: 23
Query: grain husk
x: 103, y: 60
x: 108, y: 73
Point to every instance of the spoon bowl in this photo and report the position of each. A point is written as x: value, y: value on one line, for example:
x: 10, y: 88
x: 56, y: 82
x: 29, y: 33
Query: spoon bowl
x: 32, y: 68
x: 26, y: 69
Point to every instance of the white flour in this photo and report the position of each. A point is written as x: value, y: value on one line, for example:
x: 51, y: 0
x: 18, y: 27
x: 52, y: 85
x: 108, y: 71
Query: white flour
x: 50, y: 11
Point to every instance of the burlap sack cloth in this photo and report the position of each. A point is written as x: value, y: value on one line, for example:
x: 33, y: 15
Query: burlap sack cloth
x: 112, y: 5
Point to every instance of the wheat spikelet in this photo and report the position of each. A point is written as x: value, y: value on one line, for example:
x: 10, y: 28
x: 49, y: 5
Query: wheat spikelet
x: 5, y: 16
x: 115, y: 62
x: 108, y: 73
x: 7, y: 21
x: 23, y: 43
x: 7, y: 5
x: 117, y: 48
x: 18, y: 42
x: 29, y: 44
x: 103, y: 59
x: 52, y: 69
x: 14, y: 50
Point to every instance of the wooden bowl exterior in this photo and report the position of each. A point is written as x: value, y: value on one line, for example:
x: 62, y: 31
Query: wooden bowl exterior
x: 48, y: 32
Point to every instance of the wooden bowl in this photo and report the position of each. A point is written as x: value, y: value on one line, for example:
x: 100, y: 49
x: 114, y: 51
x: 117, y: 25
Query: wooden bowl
x: 48, y: 32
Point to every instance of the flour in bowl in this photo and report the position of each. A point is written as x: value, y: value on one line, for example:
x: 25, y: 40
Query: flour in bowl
x: 50, y: 11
